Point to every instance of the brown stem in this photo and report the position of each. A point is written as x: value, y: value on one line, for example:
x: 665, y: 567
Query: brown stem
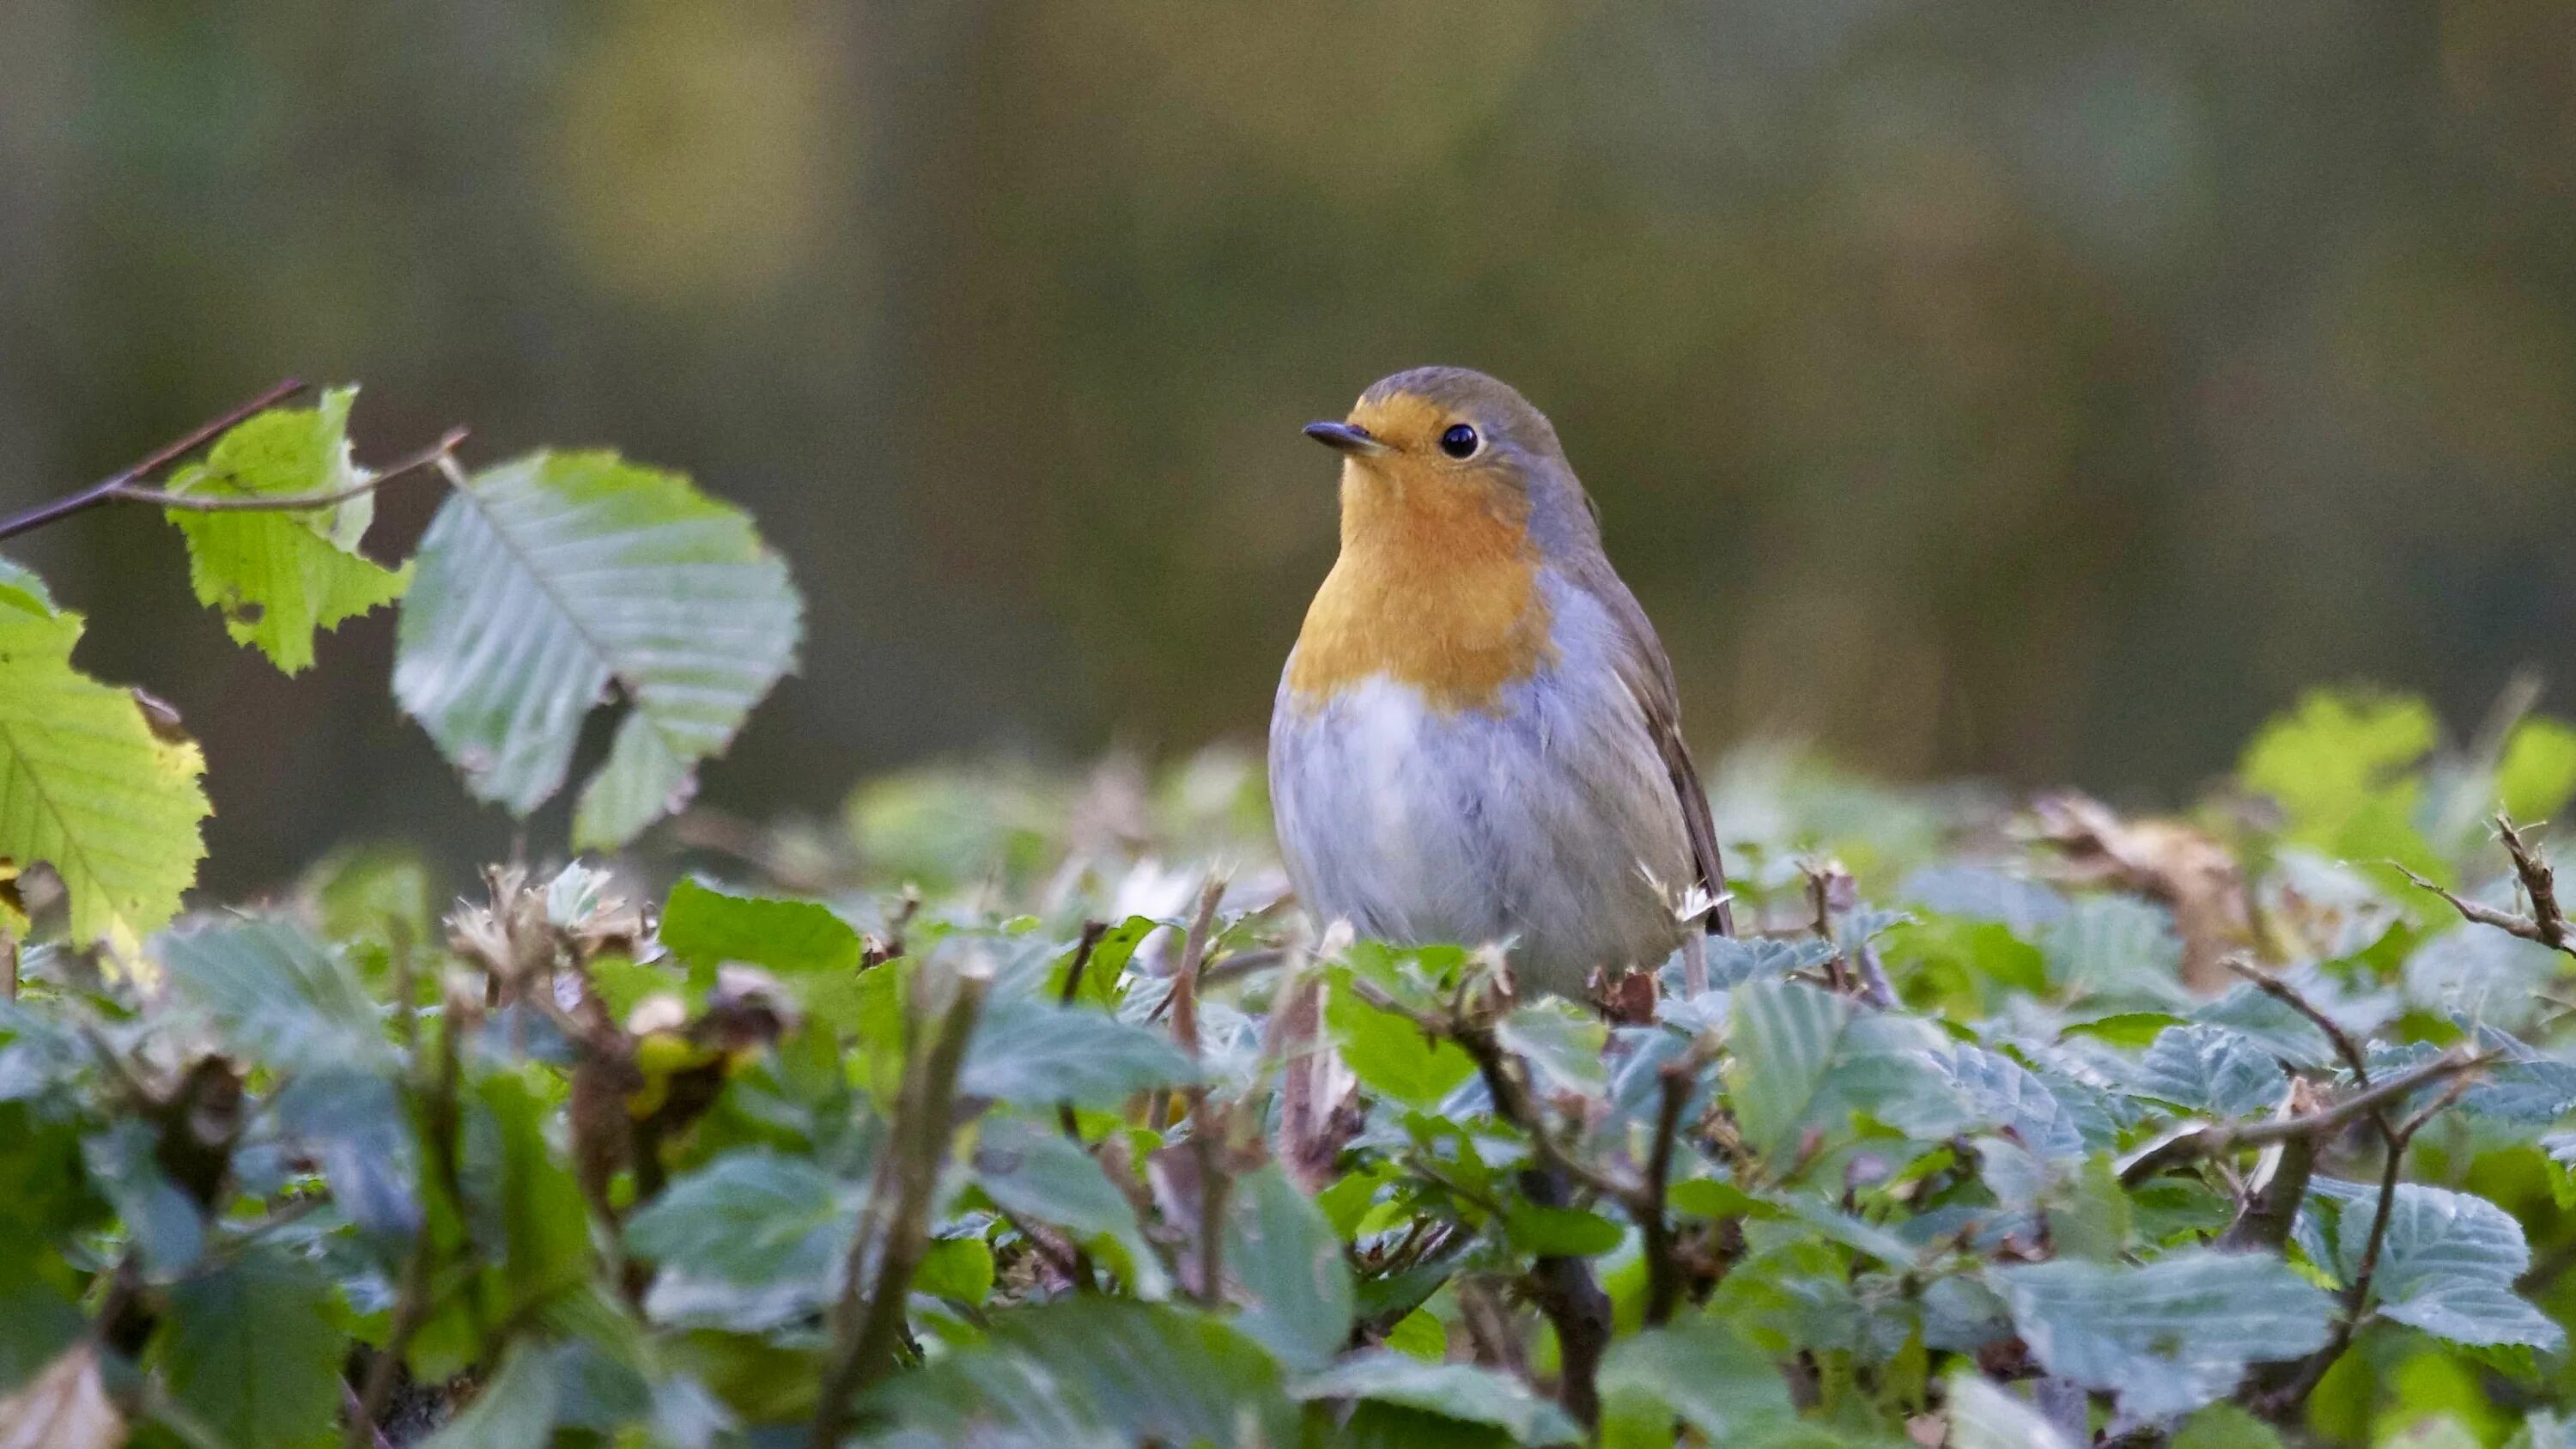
x: 867, y: 1332
x: 2220, y: 1138
x: 1207, y: 1125
x: 1092, y: 931
x: 429, y: 457
x: 106, y: 489
x: 2547, y: 923
x: 1654, y: 1224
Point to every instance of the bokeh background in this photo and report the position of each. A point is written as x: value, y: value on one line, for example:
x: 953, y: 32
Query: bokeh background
x: 2037, y: 390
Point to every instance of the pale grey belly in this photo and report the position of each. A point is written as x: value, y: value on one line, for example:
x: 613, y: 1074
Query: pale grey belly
x: 1549, y: 822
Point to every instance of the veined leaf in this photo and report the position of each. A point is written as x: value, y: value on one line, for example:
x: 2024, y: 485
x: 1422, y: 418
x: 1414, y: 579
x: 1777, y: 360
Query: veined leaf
x: 2212, y: 1069
x: 1781, y: 1041
x: 2448, y: 1264
x: 1031, y: 1052
x: 278, y: 577
x: 1986, y: 1415
x: 2169, y: 1336
x: 1288, y: 1259
x: 559, y: 577
x: 251, y: 1350
x: 1699, y: 1372
x: 85, y: 784
x: 276, y: 995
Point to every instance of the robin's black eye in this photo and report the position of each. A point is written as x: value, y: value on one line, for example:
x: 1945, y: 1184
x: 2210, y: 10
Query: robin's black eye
x: 1459, y: 441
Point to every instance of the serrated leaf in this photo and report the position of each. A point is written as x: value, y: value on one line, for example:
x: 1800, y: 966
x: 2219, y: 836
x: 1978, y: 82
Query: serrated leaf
x: 252, y: 1352
x: 1455, y: 1391
x: 2169, y: 1336
x: 1034, y: 1053
x: 558, y: 576
x: 85, y: 784
x: 1781, y: 1041
x: 1289, y: 1260
x: 276, y: 996
x: 2212, y: 1069
x: 1561, y: 1043
x: 2005, y: 1094
x: 2447, y: 1265
x: 2480, y: 973
x: 279, y: 577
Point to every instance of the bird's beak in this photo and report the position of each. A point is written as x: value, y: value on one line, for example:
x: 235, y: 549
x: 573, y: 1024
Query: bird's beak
x: 1348, y: 438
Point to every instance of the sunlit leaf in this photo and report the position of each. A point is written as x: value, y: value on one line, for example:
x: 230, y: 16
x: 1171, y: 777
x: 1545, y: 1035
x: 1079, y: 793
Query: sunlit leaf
x: 2170, y: 1335
x: 558, y: 578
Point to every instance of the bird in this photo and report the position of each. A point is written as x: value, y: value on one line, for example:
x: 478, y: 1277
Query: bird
x: 1477, y: 735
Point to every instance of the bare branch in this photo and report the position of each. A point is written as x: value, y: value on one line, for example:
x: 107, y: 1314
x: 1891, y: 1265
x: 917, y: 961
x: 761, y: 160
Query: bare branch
x: 106, y: 489
x: 2547, y: 923
x: 1654, y: 1223
x: 426, y: 458
x: 865, y: 1334
x: 2218, y: 1139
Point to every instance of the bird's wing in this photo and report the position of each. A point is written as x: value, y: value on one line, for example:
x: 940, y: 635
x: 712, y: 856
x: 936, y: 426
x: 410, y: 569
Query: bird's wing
x: 1648, y: 674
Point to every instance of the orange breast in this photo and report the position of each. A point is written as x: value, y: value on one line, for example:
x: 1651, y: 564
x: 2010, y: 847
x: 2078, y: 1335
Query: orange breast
x: 1436, y: 587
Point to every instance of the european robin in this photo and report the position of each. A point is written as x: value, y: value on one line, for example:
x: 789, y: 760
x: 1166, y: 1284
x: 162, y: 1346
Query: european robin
x: 1477, y: 737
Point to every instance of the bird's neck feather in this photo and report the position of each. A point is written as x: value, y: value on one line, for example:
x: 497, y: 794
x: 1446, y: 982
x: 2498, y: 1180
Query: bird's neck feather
x: 1437, y: 587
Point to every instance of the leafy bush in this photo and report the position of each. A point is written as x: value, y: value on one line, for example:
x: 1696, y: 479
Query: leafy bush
x: 995, y: 1114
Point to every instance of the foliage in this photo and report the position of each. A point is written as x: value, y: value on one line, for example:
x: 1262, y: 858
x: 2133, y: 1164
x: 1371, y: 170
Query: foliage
x: 778, y: 1146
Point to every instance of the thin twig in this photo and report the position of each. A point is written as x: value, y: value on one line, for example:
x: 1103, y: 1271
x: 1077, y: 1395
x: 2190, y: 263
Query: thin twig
x: 2218, y: 1139
x: 420, y: 461
x: 2547, y: 924
x: 1206, y: 1125
x: 866, y: 1333
x: 150, y: 463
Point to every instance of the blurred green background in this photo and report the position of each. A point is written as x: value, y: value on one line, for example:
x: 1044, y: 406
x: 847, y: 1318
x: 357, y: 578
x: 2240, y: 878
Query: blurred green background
x: 2039, y: 390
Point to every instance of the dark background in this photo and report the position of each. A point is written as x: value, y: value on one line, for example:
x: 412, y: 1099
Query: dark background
x: 2049, y: 391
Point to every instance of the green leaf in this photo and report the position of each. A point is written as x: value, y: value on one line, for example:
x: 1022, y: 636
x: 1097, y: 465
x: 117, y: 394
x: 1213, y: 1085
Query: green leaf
x: 1037, y: 1176
x: 276, y: 996
x: 1560, y: 1041
x: 2171, y: 1335
x: 1457, y: 1391
x: 2225, y: 1426
x: 278, y: 577
x: 251, y: 1351
x: 2114, y: 948
x: 1031, y: 1052
x: 1782, y: 1037
x: 1698, y: 1372
x: 1289, y: 1261
x: 524, y: 1198
x: 1560, y: 1232
x: 2004, y: 1094
x: 1082, y: 1370
x: 515, y: 1410
x: 558, y: 576
x: 957, y: 1268
x: 1389, y: 1054
x: 749, y: 1217
x: 2537, y: 776
x: 85, y: 784
x: 2339, y: 766
x: 2212, y: 1069
x: 705, y: 926
x: 2447, y: 1265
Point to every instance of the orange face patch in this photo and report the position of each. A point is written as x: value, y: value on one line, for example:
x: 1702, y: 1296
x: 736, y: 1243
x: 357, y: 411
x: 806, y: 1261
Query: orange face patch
x: 1437, y: 583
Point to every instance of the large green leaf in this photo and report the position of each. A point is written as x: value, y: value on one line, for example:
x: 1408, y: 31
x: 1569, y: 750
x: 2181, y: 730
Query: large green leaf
x: 1696, y: 1372
x: 278, y: 577
x: 1036, y: 1175
x: 2171, y: 1335
x: 1289, y: 1262
x: 749, y: 1217
x: 1781, y: 1040
x: 1456, y: 1391
x: 2340, y: 767
x: 275, y: 995
x: 1986, y: 1415
x: 252, y: 1352
x: 704, y: 926
x: 2447, y: 1266
x: 558, y: 577
x: 85, y: 784
x: 1389, y: 1053
x: 1033, y: 1052
x: 2212, y: 1069
x: 516, y: 1409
